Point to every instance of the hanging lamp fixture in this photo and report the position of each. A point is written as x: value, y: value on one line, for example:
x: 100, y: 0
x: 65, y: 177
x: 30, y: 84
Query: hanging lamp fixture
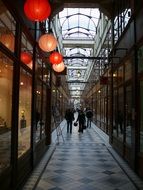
x: 26, y: 57
x: 58, y: 67
x: 55, y: 58
x: 37, y: 10
x: 47, y: 42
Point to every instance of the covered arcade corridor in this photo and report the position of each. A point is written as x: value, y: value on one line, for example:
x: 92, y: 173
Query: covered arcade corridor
x: 57, y: 55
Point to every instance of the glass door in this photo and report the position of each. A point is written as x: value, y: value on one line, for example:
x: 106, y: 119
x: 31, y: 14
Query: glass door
x: 128, y: 118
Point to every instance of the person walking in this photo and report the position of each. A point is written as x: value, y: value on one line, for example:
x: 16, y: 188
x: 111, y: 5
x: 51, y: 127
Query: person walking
x: 89, y: 116
x: 81, y: 120
x: 69, y: 116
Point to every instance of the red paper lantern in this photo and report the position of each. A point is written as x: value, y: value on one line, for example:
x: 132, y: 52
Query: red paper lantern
x: 8, y: 41
x: 47, y: 42
x: 37, y: 10
x: 58, y: 67
x: 55, y: 58
x: 26, y: 57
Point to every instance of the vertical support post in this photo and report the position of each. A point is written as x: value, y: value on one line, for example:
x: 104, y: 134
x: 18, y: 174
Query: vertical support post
x: 135, y: 117
x: 33, y: 114
x: 111, y: 87
x: 49, y: 112
x: 15, y: 109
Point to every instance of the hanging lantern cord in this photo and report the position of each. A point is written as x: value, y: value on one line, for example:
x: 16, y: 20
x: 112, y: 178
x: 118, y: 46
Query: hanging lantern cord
x: 49, y: 27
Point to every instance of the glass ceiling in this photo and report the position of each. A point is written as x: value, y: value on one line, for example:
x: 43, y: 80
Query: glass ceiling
x: 78, y: 36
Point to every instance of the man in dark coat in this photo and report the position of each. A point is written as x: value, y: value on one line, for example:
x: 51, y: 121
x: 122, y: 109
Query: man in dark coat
x: 89, y: 116
x: 69, y: 116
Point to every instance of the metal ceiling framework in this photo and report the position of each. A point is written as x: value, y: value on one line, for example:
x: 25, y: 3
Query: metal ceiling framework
x: 78, y: 30
x: 105, y: 6
x: 78, y: 40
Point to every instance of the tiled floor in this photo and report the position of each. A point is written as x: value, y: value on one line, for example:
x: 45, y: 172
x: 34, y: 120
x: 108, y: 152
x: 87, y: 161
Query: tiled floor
x: 84, y: 162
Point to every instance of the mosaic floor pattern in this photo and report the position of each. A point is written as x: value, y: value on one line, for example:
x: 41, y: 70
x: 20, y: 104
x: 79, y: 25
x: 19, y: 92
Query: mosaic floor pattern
x: 83, y: 162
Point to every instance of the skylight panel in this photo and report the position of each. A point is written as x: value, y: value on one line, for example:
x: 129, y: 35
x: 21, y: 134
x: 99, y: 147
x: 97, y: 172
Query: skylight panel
x: 72, y: 11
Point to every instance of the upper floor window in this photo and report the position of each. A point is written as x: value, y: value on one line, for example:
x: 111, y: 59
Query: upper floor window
x: 7, y: 28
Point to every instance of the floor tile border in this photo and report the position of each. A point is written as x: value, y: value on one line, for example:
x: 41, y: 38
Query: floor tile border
x: 122, y: 163
x: 38, y: 171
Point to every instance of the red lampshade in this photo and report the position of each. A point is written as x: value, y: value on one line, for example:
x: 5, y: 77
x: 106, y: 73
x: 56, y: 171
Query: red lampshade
x: 47, y: 42
x: 8, y: 41
x: 55, y: 58
x: 26, y: 57
x: 37, y: 10
x: 58, y: 67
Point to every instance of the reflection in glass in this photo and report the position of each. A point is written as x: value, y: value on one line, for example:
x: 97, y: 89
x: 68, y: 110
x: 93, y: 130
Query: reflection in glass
x: 115, y: 112
x: 26, y: 51
x: 121, y: 20
x: 38, y: 131
x: 140, y: 59
x: 7, y: 29
x: 128, y: 71
x: 141, y: 116
x: 128, y: 114
x: 24, y: 112
x: 120, y: 112
x: 6, y: 77
x: 44, y: 111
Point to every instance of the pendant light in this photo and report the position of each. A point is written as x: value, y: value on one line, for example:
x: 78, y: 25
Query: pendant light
x: 47, y: 42
x: 37, y: 10
x: 26, y: 57
x: 58, y: 67
x: 55, y: 58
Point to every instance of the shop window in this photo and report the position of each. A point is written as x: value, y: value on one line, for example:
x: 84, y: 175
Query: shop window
x: 26, y: 55
x: 140, y: 60
x: 120, y: 75
x: 39, y: 122
x: 41, y: 112
x: 6, y: 77
x: 7, y: 29
x: 120, y: 118
x: 39, y: 68
x: 128, y: 70
x: 118, y: 105
x: 56, y: 108
x: 54, y: 95
x: 98, y: 105
x: 44, y: 110
x: 115, y: 79
x: 115, y: 112
x: 46, y: 75
x: 24, y: 132
x: 128, y: 114
x: 141, y: 116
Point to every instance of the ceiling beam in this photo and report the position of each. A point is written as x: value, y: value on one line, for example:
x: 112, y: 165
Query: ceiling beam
x: 75, y: 81
x: 76, y: 90
x: 79, y: 57
x: 76, y: 68
x: 78, y: 43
